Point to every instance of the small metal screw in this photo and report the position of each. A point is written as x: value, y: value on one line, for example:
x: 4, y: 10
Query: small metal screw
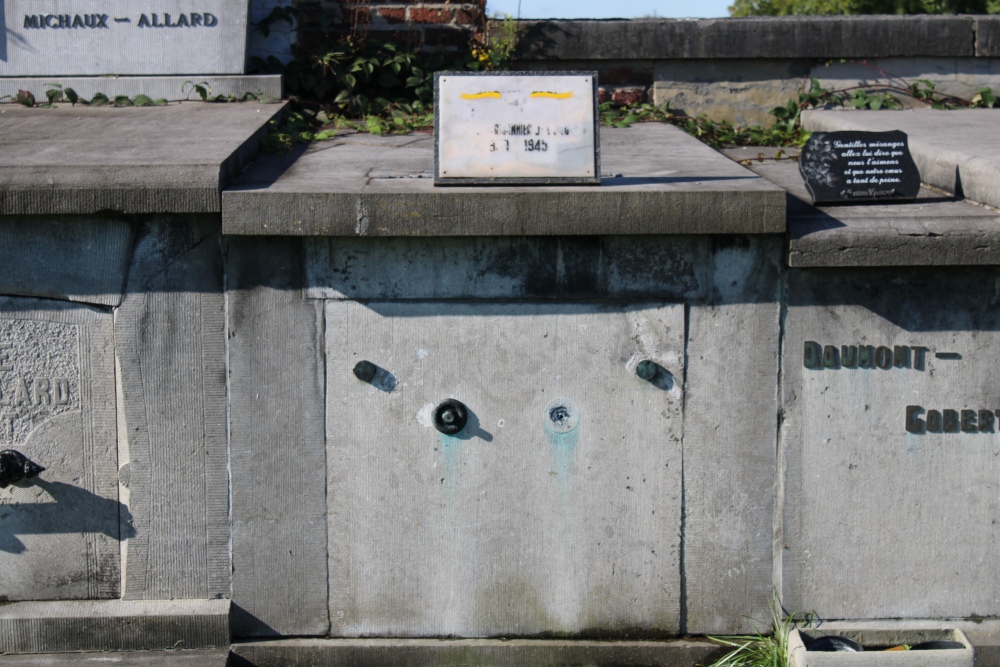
x: 450, y: 416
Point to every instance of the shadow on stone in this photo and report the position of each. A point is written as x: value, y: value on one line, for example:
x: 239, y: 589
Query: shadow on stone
x: 473, y: 429
x: 74, y: 510
x: 245, y: 624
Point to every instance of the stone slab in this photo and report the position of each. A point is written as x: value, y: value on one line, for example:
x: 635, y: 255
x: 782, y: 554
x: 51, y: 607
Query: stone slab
x: 873, y: 496
x: 170, y: 658
x: 59, y: 535
x: 759, y: 37
x: 276, y: 424
x: 744, y: 91
x: 658, y: 180
x: 113, y: 625
x: 988, y: 36
x: 933, y: 230
x: 486, y: 652
x: 954, y: 150
x: 507, y: 267
x: 77, y: 37
x: 729, y: 415
x: 79, y: 259
x: 170, y: 344
x: 522, y: 523
x: 83, y: 160
x: 171, y: 88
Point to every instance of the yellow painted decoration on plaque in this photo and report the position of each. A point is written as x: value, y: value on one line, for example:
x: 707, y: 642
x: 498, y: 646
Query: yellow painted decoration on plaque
x: 481, y: 96
x: 554, y: 96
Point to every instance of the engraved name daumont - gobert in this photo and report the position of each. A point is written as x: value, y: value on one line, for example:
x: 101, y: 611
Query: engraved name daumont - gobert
x: 917, y: 420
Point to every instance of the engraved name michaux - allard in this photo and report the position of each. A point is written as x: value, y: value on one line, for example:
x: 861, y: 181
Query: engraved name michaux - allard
x: 95, y: 21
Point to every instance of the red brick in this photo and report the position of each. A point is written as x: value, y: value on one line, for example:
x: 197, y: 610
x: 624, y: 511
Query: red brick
x: 627, y: 96
x: 393, y: 14
x: 428, y: 15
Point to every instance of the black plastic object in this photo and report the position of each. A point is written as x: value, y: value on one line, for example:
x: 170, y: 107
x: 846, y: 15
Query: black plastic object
x: 937, y: 644
x: 365, y: 371
x: 832, y: 643
x: 646, y: 370
x: 450, y: 416
x: 15, y: 466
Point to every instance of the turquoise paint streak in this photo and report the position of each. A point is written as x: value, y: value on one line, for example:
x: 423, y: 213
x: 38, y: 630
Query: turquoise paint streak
x: 451, y: 455
x: 563, y: 449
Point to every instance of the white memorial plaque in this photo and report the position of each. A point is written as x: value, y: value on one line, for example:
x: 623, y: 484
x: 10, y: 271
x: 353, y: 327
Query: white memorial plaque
x: 516, y: 128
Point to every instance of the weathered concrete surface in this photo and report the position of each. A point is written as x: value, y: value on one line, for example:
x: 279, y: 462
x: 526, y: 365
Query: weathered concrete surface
x: 278, y: 443
x: 730, y: 415
x: 660, y: 181
x: 482, y: 652
x: 131, y: 40
x: 59, y: 534
x: 524, y: 523
x: 764, y: 37
x: 885, y: 517
x: 113, y: 625
x: 171, y: 88
x: 933, y: 230
x: 507, y: 267
x: 80, y: 160
x: 744, y: 91
x: 73, y: 258
x: 988, y: 36
x: 168, y: 658
x: 954, y: 150
x: 741, y: 92
x: 170, y: 344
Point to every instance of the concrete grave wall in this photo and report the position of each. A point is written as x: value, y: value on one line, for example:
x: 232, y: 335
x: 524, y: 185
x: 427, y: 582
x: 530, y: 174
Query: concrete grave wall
x: 890, y: 443
x: 829, y: 433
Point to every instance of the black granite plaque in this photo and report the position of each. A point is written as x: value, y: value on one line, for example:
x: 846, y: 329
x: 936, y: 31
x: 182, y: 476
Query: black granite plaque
x: 841, y: 167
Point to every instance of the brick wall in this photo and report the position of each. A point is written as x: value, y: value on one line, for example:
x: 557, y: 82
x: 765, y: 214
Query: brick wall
x: 446, y: 25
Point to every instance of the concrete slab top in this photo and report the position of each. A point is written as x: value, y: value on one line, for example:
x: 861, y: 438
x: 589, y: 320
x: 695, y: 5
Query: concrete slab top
x: 957, y: 150
x: 657, y: 180
x: 77, y: 159
x: 933, y: 230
